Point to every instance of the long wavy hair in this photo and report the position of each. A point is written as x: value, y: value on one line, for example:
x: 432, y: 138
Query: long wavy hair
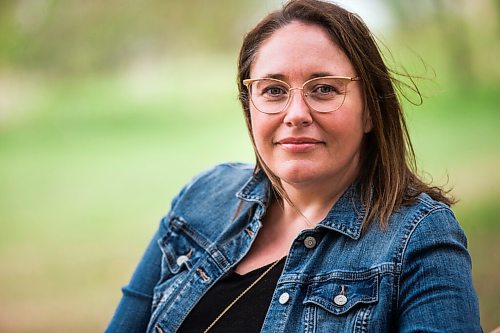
x: 388, y: 174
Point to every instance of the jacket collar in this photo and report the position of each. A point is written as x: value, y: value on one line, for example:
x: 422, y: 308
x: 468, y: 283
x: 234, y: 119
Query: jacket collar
x: 346, y: 216
x: 348, y: 213
x: 256, y: 189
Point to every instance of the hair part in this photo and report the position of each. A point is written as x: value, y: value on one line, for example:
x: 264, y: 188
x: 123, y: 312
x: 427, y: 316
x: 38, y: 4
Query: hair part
x: 388, y: 172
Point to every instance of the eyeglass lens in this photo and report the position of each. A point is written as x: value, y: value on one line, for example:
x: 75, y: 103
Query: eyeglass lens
x: 321, y: 94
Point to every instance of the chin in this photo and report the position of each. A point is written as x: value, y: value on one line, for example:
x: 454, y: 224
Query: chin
x: 295, y: 172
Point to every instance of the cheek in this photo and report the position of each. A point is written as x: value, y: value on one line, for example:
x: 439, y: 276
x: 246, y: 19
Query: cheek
x: 261, y: 127
x: 254, y: 125
x: 257, y: 135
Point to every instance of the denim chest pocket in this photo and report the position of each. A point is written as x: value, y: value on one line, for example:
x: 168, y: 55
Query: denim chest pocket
x: 181, y: 251
x: 340, y: 304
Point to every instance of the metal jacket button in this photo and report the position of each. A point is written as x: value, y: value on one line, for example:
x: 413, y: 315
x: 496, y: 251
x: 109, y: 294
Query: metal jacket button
x: 340, y: 300
x: 181, y: 259
x: 310, y: 242
x: 284, y: 298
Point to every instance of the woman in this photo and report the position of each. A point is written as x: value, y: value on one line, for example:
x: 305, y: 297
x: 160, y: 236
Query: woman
x: 331, y: 230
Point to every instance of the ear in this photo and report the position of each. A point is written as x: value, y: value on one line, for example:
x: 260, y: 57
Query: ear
x: 367, y: 121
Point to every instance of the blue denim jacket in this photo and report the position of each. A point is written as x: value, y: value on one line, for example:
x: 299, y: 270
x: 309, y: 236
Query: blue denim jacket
x: 414, y: 276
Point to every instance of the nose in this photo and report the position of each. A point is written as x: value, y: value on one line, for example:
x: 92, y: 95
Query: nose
x: 297, y: 112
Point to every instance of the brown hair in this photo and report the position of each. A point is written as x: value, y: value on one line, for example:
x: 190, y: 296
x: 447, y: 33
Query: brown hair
x: 388, y: 176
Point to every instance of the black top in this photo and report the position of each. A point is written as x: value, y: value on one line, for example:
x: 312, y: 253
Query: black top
x: 247, y: 315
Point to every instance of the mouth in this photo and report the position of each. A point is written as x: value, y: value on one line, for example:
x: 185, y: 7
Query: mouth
x: 298, y: 141
x: 299, y: 144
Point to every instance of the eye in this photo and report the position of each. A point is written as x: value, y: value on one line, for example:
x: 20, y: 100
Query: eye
x: 324, y: 89
x: 273, y: 91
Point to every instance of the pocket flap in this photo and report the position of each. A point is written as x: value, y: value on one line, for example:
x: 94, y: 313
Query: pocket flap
x: 178, y: 248
x: 325, y: 293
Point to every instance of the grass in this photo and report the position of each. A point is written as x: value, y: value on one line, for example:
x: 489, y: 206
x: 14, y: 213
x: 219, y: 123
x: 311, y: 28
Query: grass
x: 87, y: 168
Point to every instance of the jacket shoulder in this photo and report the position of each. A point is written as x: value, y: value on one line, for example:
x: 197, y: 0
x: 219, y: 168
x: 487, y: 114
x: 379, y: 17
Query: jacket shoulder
x: 423, y: 209
x: 424, y: 221
x: 209, y: 201
x: 226, y: 177
x: 435, y: 261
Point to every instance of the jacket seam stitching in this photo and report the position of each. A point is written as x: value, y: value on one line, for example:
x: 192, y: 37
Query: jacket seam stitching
x: 406, y: 240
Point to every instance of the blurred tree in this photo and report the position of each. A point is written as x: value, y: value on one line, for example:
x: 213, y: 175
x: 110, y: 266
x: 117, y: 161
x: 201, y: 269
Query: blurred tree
x: 73, y: 36
x: 455, y: 32
x: 460, y: 27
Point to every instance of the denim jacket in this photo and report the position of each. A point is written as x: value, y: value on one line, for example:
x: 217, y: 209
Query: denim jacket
x: 413, y: 276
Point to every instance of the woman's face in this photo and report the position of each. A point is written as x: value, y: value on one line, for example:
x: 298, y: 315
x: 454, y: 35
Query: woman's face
x: 301, y: 146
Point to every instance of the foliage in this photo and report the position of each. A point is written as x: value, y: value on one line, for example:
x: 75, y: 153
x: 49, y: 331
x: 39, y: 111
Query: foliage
x: 80, y: 36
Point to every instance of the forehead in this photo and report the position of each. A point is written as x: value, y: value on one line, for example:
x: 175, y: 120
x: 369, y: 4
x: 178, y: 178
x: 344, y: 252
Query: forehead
x: 299, y: 50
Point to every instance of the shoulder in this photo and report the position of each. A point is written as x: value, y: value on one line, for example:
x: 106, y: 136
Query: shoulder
x: 435, y: 268
x: 422, y: 224
x: 226, y: 173
x: 430, y: 232
x: 210, y: 199
x: 429, y: 216
x: 222, y: 178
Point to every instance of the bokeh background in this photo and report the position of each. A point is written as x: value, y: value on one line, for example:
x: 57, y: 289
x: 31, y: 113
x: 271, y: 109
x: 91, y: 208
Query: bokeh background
x: 108, y: 107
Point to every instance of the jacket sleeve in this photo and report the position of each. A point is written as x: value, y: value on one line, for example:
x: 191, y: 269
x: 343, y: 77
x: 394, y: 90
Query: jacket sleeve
x: 436, y: 292
x: 134, y: 310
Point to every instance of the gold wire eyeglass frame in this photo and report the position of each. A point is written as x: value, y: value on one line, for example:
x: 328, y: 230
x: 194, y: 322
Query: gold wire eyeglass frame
x: 248, y: 82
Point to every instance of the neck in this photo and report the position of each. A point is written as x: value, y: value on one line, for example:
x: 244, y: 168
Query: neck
x: 312, y: 202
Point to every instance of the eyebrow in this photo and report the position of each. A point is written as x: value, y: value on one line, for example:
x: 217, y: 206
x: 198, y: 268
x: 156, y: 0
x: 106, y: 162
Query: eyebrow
x: 274, y: 76
x: 283, y: 77
x: 320, y: 74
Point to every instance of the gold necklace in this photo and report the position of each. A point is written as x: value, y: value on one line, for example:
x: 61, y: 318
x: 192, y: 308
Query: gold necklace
x: 226, y: 309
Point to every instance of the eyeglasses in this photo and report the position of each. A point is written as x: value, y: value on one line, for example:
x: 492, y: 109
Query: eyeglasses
x: 322, y: 94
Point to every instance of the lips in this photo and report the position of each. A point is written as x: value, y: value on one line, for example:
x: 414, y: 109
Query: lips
x: 299, y: 144
x: 298, y: 141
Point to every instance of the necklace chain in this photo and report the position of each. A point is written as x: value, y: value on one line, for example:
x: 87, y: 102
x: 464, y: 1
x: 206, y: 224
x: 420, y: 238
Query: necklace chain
x: 227, y: 308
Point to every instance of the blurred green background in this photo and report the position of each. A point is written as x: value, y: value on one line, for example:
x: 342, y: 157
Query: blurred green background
x: 108, y: 107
